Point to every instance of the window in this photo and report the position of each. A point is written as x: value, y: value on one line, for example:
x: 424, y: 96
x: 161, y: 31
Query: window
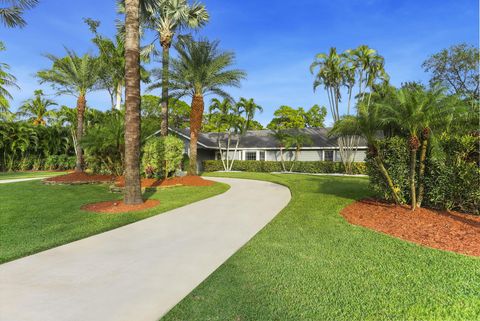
x: 261, y: 155
x: 250, y: 155
x: 328, y: 155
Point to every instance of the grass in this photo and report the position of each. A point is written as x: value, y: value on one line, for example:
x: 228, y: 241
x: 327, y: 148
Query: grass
x: 15, y: 175
x: 310, y: 264
x: 35, y: 217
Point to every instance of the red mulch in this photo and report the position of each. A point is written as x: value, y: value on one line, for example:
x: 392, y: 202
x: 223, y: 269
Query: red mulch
x: 80, y: 178
x: 451, y: 231
x: 174, y: 181
x: 115, y: 207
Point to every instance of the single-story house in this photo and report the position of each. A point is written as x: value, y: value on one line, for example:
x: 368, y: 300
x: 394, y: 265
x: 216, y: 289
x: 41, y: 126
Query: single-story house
x: 261, y: 145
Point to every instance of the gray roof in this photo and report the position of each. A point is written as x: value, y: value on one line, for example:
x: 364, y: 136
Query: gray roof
x: 265, y: 138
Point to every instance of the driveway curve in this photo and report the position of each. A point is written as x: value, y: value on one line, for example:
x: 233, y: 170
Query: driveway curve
x: 139, y: 271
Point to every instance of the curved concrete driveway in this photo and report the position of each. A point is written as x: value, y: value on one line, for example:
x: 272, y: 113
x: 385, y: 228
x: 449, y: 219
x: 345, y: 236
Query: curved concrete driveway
x: 139, y: 271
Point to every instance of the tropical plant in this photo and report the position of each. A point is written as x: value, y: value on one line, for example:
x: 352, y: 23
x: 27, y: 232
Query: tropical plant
x: 201, y: 69
x: 162, y: 156
x: 76, y: 76
x: 295, y: 139
x: 367, y: 123
x: 6, y: 80
x: 168, y: 17
x: 36, y: 109
x: 11, y: 13
x: 133, y: 192
x: 286, y: 117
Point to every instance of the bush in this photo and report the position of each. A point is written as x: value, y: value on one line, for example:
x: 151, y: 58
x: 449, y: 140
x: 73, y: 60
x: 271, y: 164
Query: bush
x: 270, y: 166
x: 452, y: 174
x: 452, y: 182
x: 395, y: 155
x: 162, y: 156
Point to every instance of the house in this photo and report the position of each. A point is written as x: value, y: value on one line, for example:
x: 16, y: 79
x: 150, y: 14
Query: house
x: 261, y: 145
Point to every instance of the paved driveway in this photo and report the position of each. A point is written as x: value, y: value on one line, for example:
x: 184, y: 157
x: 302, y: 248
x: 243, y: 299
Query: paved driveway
x: 139, y: 271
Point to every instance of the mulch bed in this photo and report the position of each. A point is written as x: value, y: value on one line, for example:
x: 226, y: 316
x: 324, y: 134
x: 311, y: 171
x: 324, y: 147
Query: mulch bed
x: 451, y: 231
x: 174, y: 181
x: 115, y: 207
x: 79, y: 178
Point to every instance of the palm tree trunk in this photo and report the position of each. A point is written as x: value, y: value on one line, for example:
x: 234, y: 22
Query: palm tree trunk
x: 81, y: 103
x: 165, y: 62
x: 118, y: 99
x: 413, y: 161
x: 133, y: 192
x: 389, y: 180
x: 421, y: 172
x: 196, y: 115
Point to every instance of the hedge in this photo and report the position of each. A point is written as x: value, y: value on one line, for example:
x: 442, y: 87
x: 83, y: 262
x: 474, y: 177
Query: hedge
x: 452, y: 173
x: 270, y: 166
x: 52, y: 162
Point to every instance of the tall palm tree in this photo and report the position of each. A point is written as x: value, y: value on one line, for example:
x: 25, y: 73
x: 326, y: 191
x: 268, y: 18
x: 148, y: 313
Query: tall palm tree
x: 167, y: 17
x: 367, y: 123
x: 11, y: 14
x: 250, y: 108
x: 36, y: 109
x: 133, y: 192
x: 76, y: 76
x: 201, y: 69
x: 6, y: 80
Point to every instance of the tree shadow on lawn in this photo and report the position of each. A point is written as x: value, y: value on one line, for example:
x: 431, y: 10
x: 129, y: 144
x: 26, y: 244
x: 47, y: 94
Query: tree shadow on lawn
x: 343, y: 187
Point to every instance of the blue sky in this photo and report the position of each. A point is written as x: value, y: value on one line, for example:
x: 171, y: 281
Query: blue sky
x: 274, y: 41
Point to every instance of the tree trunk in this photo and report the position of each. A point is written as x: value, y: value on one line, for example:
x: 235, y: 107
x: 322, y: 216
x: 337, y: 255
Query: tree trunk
x: 421, y: 172
x: 196, y: 114
x: 133, y: 192
x: 387, y: 177
x: 165, y: 62
x: 81, y: 104
x: 413, y: 161
x: 118, y: 99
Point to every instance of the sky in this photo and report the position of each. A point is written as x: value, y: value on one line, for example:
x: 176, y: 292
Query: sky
x: 274, y: 41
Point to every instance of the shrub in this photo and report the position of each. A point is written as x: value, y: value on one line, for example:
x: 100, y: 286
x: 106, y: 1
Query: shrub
x: 452, y: 174
x: 395, y: 155
x: 162, y: 156
x: 271, y: 166
x: 452, y: 182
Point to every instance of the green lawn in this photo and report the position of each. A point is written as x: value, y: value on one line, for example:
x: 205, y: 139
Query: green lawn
x: 35, y: 217
x: 310, y: 264
x: 14, y: 175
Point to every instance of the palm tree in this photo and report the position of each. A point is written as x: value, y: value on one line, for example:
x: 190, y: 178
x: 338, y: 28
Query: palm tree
x: 367, y: 123
x: 297, y: 140
x: 250, y: 108
x: 36, y: 109
x: 281, y: 136
x: 226, y: 117
x: 12, y: 14
x: 201, y: 69
x: 438, y: 112
x: 76, y: 76
x: 6, y: 80
x: 133, y: 192
x: 407, y: 112
x: 167, y: 17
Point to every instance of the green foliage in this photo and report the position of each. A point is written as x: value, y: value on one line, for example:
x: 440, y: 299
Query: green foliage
x: 24, y: 146
x: 272, y: 166
x: 456, y: 68
x: 12, y: 11
x: 452, y: 176
x: 162, y: 156
x: 452, y: 181
x: 104, y: 144
x: 394, y: 153
x: 286, y: 117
